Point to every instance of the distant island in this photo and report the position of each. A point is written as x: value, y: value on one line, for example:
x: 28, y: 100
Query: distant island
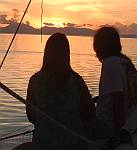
x: 46, y: 30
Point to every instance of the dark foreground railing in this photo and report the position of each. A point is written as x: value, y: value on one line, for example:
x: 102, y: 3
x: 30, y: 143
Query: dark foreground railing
x: 10, y: 142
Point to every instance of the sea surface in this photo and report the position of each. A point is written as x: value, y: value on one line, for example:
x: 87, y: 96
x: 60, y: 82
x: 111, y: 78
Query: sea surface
x: 25, y: 58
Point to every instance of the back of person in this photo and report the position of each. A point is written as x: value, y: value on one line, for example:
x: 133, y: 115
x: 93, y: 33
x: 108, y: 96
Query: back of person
x: 111, y: 82
x: 63, y: 95
x: 62, y: 105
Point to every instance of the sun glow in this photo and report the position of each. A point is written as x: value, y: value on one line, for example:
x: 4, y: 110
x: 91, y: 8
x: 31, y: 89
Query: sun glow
x: 56, y: 21
x: 52, y: 22
x: 56, y: 13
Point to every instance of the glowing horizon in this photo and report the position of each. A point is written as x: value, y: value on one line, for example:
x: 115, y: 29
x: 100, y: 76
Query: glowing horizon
x: 56, y: 13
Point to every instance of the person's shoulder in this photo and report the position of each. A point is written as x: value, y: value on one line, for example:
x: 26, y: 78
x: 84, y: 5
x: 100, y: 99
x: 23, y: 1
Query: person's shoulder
x: 112, y: 59
x: 36, y: 76
x: 112, y: 62
x: 75, y: 74
x: 78, y: 78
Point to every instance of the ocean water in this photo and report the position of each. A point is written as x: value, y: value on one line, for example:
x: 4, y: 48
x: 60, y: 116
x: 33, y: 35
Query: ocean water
x: 25, y: 58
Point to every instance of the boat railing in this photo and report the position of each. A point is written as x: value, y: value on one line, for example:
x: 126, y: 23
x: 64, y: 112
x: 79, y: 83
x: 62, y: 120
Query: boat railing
x: 11, y: 141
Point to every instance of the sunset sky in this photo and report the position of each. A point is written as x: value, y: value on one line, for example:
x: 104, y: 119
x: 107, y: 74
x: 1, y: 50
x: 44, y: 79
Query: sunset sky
x: 79, y: 12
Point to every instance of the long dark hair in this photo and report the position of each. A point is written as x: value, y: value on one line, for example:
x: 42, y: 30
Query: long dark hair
x: 107, y: 42
x: 56, y: 60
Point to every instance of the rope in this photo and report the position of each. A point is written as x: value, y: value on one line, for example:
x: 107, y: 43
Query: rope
x: 4, y: 135
x: 44, y: 115
x: 41, y: 18
x: 12, y: 136
x: 5, y: 88
x: 15, y: 34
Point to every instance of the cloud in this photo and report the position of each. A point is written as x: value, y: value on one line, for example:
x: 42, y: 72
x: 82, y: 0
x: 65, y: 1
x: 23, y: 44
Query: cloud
x: 5, y: 1
x: 62, y: 2
x: 27, y: 23
x: 48, y: 24
x: 16, y: 14
x: 4, y: 20
x: 9, y: 2
x: 87, y: 25
x: 15, y: 18
x: 70, y: 2
x: 70, y: 24
x: 74, y: 25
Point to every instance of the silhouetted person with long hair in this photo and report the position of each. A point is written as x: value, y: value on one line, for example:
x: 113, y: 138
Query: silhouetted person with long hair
x: 62, y: 94
x: 113, y: 105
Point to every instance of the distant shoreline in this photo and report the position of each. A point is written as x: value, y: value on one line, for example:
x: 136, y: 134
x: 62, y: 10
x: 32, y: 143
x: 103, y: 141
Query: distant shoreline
x: 46, y: 30
x: 122, y: 35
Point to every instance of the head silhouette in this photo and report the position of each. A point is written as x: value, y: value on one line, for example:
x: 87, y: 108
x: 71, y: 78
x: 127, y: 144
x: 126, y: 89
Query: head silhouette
x: 107, y: 42
x: 56, y: 60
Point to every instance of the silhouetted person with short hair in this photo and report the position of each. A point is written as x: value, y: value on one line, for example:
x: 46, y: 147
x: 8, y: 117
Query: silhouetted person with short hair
x: 113, y: 106
x: 62, y: 94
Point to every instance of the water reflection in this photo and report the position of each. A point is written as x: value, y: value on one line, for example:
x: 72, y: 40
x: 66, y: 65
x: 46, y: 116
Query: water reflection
x: 25, y: 58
